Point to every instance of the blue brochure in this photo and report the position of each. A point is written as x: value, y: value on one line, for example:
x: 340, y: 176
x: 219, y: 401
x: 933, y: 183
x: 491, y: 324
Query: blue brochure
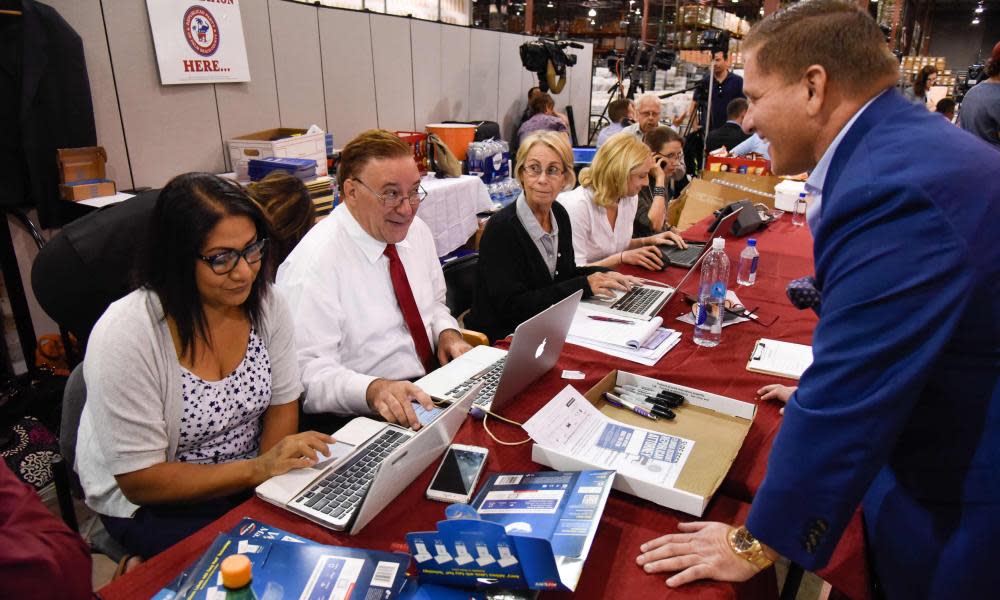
x: 522, y: 530
x: 288, y: 566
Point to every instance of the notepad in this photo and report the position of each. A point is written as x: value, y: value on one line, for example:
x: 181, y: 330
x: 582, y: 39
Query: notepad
x: 781, y: 359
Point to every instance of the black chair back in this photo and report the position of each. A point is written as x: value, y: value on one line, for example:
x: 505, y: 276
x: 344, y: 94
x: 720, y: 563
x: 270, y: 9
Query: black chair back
x: 460, y: 279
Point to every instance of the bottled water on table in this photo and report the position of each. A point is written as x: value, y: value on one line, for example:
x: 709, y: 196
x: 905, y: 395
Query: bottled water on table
x: 712, y: 296
x: 747, y: 272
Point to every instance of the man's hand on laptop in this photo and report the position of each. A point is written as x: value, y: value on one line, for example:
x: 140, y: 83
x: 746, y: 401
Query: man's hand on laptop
x: 607, y: 283
x: 292, y: 452
x: 450, y: 346
x: 392, y: 400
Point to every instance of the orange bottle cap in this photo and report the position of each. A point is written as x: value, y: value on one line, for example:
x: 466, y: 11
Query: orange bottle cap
x: 236, y: 571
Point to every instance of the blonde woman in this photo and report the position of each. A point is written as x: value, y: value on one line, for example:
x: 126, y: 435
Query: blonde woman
x: 603, y: 208
x: 526, y: 261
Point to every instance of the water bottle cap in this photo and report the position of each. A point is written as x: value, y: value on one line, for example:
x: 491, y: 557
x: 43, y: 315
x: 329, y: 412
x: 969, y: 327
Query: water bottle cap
x: 802, y: 194
x: 751, y: 242
x: 718, y: 244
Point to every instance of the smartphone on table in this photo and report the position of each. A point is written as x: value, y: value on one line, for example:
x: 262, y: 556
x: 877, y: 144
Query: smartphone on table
x: 458, y: 474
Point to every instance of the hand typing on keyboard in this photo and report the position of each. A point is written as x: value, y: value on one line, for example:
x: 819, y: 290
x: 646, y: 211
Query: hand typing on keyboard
x: 292, y: 452
x: 607, y: 283
x: 392, y: 399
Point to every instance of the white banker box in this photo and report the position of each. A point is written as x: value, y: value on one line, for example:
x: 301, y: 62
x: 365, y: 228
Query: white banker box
x: 716, y: 424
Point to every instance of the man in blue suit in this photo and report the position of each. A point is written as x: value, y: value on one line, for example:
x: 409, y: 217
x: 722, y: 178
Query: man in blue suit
x: 900, y: 410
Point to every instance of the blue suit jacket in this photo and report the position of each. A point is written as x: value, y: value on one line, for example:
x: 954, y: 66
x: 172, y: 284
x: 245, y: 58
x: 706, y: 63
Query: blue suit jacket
x: 901, y: 406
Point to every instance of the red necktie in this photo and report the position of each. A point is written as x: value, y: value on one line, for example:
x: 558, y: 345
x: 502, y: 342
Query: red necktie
x: 408, y: 306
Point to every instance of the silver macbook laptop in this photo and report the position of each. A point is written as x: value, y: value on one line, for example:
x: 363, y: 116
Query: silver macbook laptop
x: 686, y: 257
x: 533, y: 351
x: 371, y: 463
x: 646, y: 301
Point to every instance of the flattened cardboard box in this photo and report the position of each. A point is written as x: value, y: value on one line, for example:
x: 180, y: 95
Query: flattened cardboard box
x: 717, y: 424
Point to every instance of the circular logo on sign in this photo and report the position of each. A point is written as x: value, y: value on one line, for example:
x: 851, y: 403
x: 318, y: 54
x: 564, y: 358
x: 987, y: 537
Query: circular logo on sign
x: 201, y: 31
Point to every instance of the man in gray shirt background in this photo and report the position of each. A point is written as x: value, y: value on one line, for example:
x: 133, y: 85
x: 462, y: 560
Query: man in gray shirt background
x: 980, y: 110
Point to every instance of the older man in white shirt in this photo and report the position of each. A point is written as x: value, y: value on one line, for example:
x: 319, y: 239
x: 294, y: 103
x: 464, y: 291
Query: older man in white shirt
x: 366, y: 290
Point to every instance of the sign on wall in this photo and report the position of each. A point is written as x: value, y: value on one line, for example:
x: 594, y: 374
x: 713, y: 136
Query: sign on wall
x: 198, y: 41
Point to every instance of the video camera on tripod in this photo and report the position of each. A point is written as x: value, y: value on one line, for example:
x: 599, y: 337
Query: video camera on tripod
x: 548, y: 59
x: 640, y: 57
x: 972, y: 76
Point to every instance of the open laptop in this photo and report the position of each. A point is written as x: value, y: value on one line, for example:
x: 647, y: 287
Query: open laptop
x: 646, y: 301
x: 686, y: 257
x: 533, y: 351
x: 371, y: 463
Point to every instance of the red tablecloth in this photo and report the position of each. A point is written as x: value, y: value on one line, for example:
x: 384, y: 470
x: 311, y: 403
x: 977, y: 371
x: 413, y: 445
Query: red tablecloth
x: 786, y: 253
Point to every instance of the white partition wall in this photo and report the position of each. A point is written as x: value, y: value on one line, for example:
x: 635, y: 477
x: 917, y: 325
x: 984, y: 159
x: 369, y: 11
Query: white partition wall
x: 297, y: 63
x: 348, y: 74
x: 393, y: 72
x: 344, y: 70
x: 484, y: 74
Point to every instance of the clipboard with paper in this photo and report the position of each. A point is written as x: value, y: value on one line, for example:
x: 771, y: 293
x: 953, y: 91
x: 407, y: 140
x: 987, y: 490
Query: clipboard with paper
x: 781, y: 359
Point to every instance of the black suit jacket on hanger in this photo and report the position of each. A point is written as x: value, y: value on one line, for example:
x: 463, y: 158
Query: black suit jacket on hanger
x: 46, y: 96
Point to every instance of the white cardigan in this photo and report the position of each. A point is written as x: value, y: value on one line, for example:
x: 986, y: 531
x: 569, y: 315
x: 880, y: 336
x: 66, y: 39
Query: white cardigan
x: 131, y: 420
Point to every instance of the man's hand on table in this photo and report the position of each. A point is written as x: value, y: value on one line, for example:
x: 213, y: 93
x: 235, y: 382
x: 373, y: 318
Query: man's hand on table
x: 393, y: 400
x: 776, y: 391
x: 700, y: 551
x: 451, y: 345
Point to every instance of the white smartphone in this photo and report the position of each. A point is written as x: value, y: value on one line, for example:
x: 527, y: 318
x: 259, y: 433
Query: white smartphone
x: 458, y: 474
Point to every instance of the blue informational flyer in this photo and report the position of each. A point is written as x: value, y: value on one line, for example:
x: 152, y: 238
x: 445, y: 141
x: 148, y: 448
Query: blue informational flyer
x: 287, y: 566
x: 522, y: 530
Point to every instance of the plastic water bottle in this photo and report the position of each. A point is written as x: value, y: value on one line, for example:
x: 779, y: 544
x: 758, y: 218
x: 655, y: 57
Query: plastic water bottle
x: 799, y: 210
x: 505, y: 150
x: 712, y: 295
x: 747, y: 273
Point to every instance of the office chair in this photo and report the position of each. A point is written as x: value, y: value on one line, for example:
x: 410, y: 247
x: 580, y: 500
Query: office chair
x: 66, y: 482
x: 460, y: 280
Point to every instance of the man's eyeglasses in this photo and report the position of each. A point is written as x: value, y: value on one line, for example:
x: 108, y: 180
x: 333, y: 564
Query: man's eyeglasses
x: 535, y: 170
x: 224, y: 262
x: 650, y: 114
x: 392, y: 198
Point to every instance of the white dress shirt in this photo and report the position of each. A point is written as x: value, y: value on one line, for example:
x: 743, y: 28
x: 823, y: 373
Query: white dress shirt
x: 817, y: 177
x: 349, y: 329
x: 593, y: 237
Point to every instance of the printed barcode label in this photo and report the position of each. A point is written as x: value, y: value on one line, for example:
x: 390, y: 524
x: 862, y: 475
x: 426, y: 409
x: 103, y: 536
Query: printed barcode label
x: 591, y: 500
x: 385, y: 574
x: 508, y: 480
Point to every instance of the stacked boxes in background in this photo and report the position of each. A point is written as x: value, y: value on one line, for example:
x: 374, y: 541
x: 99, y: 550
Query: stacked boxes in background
x: 282, y: 142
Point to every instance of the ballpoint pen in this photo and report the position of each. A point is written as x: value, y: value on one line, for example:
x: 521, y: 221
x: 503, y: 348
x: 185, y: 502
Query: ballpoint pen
x: 610, y: 320
x: 614, y: 400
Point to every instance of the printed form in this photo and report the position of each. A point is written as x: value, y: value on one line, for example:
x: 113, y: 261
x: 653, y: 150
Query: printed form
x: 573, y: 426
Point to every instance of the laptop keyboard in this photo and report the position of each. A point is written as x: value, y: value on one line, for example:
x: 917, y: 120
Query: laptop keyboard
x: 491, y: 378
x: 338, y: 494
x: 637, y: 300
x: 686, y: 256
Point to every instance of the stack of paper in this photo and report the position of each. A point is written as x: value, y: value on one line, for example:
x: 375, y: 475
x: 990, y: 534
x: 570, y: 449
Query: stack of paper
x: 643, y: 342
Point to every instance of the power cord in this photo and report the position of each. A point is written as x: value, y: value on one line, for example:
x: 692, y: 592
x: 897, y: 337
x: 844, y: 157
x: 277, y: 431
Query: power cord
x: 506, y: 420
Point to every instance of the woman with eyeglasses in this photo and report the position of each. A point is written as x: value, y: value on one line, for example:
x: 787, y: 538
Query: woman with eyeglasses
x: 526, y: 261
x: 192, y: 383
x: 603, y: 208
x: 651, y: 210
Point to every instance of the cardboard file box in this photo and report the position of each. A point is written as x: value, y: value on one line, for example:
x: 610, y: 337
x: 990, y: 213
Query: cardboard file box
x: 717, y: 424
x: 282, y: 142
x: 82, y: 173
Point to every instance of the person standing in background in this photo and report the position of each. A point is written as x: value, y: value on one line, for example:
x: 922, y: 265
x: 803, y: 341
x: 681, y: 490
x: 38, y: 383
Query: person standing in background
x: 980, y: 110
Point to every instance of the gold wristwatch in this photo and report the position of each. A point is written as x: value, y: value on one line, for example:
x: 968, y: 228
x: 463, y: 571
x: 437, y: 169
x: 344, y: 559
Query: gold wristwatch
x: 749, y: 548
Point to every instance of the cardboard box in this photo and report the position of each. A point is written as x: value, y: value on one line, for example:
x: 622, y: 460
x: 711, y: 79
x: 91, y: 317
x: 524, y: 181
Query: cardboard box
x: 704, y: 196
x: 283, y: 142
x: 717, y: 424
x: 82, y: 173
